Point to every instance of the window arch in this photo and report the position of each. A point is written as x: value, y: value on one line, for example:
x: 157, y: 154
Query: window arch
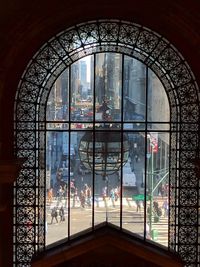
x: 61, y: 52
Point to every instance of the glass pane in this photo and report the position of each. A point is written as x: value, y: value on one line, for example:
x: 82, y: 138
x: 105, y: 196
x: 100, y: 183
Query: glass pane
x: 134, y: 126
x: 107, y: 200
x: 157, y: 186
x: 82, y: 90
x: 108, y: 85
x: 133, y: 183
x: 58, y: 101
x: 57, y: 175
x: 81, y: 186
x: 107, y: 126
x: 158, y: 104
x: 158, y: 126
x: 81, y: 126
x: 134, y: 90
x: 119, y: 155
x: 57, y: 126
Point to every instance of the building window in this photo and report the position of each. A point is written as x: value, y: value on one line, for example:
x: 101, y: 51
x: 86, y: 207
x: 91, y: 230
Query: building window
x: 106, y: 115
x: 96, y: 95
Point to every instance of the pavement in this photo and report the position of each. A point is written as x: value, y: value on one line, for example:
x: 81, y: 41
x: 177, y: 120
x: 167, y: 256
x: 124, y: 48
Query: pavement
x: 108, y: 210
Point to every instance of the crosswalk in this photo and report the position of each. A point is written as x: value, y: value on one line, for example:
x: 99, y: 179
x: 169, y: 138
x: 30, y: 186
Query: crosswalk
x: 159, y: 229
x: 161, y: 236
x: 100, y: 203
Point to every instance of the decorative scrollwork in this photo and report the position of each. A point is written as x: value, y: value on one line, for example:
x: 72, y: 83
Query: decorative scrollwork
x: 26, y: 178
x: 25, y: 196
x: 188, y: 179
x: 188, y: 197
x: 188, y: 216
x: 188, y: 253
x: 188, y: 235
x: 24, y: 253
x: 190, y: 113
x: 25, y: 233
x: 25, y: 214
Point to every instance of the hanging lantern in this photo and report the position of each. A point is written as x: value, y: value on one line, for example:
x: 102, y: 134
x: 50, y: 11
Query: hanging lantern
x: 104, y: 152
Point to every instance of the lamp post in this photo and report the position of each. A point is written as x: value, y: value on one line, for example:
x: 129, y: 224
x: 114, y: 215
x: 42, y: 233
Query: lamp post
x: 151, y: 189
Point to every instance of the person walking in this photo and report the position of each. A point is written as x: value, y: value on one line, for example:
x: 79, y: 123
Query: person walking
x: 54, y: 214
x: 50, y: 195
x: 61, y: 214
x: 138, y: 204
x: 165, y: 206
x: 82, y: 199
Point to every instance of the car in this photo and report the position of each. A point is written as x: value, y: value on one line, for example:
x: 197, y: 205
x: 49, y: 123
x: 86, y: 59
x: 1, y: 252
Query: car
x: 129, y: 178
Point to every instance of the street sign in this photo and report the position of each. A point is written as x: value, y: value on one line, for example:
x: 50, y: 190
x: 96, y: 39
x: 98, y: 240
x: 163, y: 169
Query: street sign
x: 141, y: 197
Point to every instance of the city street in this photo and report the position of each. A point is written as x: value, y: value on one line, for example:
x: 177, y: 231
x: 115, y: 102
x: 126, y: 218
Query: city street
x: 81, y: 219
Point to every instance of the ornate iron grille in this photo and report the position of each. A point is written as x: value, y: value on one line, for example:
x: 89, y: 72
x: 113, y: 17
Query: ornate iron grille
x: 30, y: 105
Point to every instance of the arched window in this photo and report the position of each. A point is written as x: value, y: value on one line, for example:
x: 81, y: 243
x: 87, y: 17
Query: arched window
x: 106, y: 115
x: 102, y: 96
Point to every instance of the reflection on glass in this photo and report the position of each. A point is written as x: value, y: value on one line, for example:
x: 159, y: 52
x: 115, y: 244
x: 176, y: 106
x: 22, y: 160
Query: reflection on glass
x: 134, y: 126
x: 157, y: 186
x: 158, y: 104
x: 57, y: 126
x: 82, y: 90
x: 58, y: 101
x: 130, y: 160
x: 108, y: 86
x: 81, y: 126
x: 133, y: 185
x: 134, y: 92
x: 57, y: 176
x: 158, y: 126
x: 81, y: 190
x: 108, y: 126
x: 107, y: 199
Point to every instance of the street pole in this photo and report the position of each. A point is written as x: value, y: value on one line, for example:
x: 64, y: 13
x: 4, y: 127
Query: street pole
x: 151, y: 192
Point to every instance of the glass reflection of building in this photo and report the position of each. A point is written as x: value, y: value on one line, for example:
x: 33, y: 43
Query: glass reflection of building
x: 134, y: 89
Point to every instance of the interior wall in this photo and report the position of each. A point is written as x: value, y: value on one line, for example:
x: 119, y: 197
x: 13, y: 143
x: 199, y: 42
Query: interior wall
x: 26, y: 25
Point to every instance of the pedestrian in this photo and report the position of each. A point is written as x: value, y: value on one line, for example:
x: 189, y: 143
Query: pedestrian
x: 116, y: 192
x: 60, y: 193
x: 61, y: 214
x: 104, y: 193
x: 82, y: 199
x: 159, y: 190
x: 50, y: 195
x: 148, y: 234
x: 165, y: 207
x: 138, y: 206
x: 89, y: 195
x: 112, y: 194
x: 162, y: 191
x: 54, y: 214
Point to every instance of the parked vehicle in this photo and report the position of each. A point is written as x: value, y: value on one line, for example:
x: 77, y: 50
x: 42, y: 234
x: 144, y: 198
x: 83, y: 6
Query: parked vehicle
x: 129, y: 178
